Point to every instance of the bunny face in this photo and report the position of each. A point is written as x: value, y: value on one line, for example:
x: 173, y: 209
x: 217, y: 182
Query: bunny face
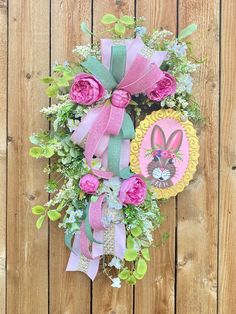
x: 162, y: 168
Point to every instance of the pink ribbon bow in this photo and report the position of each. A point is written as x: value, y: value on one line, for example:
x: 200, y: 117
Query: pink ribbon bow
x: 141, y: 72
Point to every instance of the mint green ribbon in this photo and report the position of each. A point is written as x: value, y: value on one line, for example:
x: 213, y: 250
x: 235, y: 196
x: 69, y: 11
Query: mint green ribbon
x: 110, y: 80
x: 102, y: 74
x: 88, y: 229
x: 118, y: 62
x: 114, y: 148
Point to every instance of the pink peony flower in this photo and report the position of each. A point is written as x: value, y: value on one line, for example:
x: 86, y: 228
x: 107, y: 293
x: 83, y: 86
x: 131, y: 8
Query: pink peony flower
x: 120, y: 98
x: 89, y: 184
x: 163, y: 88
x: 133, y: 191
x: 86, y: 89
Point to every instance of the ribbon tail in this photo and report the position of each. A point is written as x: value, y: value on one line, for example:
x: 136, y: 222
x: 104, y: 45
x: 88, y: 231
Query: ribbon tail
x: 114, y: 241
x: 78, y: 262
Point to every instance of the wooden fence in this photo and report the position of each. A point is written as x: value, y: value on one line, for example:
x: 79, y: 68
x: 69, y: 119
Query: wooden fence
x: 196, y: 271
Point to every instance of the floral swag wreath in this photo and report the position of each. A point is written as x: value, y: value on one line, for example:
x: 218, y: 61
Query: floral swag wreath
x: 107, y: 211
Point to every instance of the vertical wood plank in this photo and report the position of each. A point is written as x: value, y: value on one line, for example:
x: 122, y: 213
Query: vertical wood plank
x: 3, y: 150
x: 227, y: 225
x: 69, y: 291
x: 105, y: 298
x: 156, y: 292
x: 198, y: 205
x: 27, y: 249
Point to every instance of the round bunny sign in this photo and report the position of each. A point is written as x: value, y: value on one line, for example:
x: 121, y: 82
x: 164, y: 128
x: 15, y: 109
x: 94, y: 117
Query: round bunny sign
x: 165, y: 151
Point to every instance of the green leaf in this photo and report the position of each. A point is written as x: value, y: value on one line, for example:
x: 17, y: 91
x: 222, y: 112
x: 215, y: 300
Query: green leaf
x: 48, y: 152
x: 124, y: 274
x: 59, y: 68
x: 130, y: 255
x: 68, y: 240
x: 127, y: 20
x: 53, y: 215
x: 94, y: 198
x: 85, y: 29
x: 52, y: 91
x: 38, y: 210
x: 74, y: 152
x: 120, y: 29
x: 75, y: 227
x: 108, y: 19
x: 136, y: 232
x: 145, y: 253
x: 137, y: 275
x: 187, y: 31
x: 62, y: 82
x: 47, y: 79
x: 132, y: 280
x: 130, y: 242
x: 34, y: 140
x: 68, y: 75
x: 141, y: 267
x: 35, y: 152
x: 40, y: 221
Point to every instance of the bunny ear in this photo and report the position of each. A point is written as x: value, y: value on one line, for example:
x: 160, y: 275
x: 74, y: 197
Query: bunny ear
x: 158, y: 138
x: 175, y: 141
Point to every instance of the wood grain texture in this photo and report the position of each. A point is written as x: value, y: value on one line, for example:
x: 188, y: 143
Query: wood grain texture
x: 27, y: 248
x: 227, y: 225
x: 69, y: 291
x: 156, y: 292
x: 29, y: 258
x: 198, y: 204
x: 105, y: 298
x: 3, y: 151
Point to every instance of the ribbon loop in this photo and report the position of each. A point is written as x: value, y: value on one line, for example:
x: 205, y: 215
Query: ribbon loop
x: 102, y: 74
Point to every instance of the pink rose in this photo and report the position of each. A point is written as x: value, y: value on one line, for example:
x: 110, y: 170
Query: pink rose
x: 163, y: 88
x: 89, y: 184
x: 86, y: 89
x: 120, y: 98
x: 133, y: 191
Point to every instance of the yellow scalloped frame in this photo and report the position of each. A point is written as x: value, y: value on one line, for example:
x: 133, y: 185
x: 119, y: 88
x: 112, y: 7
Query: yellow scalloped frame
x: 193, y: 141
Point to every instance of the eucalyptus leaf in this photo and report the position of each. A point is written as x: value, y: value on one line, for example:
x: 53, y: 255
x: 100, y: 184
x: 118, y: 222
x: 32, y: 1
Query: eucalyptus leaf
x: 130, y: 255
x: 132, y: 280
x: 48, y: 152
x: 137, y: 275
x: 145, y: 253
x: 108, y: 19
x: 38, y: 209
x: 36, y: 152
x: 141, y: 267
x: 53, y: 215
x: 127, y: 20
x: 47, y: 79
x: 59, y: 68
x: 120, y: 29
x: 52, y: 90
x: 62, y: 82
x: 130, y: 242
x: 68, y: 240
x: 34, y: 140
x: 68, y: 75
x: 124, y: 274
x: 74, y: 152
x: 85, y: 29
x: 40, y: 221
x: 187, y: 31
x: 136, y: 232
